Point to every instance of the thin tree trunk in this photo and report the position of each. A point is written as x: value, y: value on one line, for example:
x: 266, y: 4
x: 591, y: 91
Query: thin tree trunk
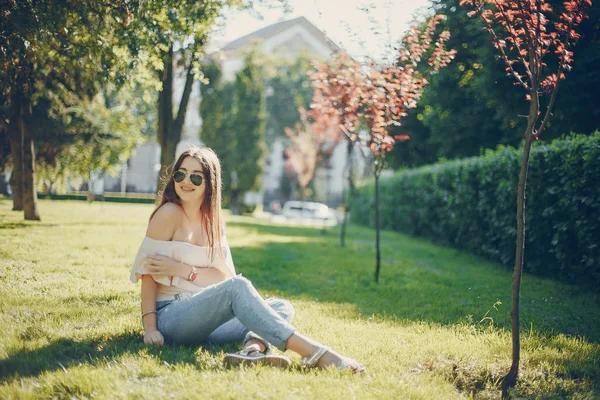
x: 185, y: 99
x: 16, y: 176
x: 510, y: 379
x: 169, y: 128
x: 165, y: 115
x: 16, y: 149
x: 377, y: 244
x: 30, y: 203
x: 167, y: 154
x: 348, y: 202
x: 235, y: 204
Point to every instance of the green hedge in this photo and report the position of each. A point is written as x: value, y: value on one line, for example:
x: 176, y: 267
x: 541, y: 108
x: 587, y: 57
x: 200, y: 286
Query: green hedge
x: 142, y: 198
x: 471, y: 204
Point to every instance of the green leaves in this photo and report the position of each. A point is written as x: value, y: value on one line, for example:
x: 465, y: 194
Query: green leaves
x: 234, y: 119
x: 470, y: 204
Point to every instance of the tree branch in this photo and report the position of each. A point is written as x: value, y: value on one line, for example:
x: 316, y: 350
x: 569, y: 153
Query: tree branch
x: 539, y: 131
x: 346, y: 133
x: 503, y: 53
x: 185, y: 98
x: 527, y: 69
x: 538, y: 37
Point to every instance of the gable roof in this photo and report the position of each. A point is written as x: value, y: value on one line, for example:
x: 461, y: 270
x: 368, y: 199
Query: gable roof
x: 274, y: 29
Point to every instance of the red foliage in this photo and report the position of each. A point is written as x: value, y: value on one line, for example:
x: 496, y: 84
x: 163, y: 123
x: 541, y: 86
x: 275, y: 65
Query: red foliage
x: 336, y: 94
x: 529, y: 37
x: 379, y: 97
x: 310, y: 144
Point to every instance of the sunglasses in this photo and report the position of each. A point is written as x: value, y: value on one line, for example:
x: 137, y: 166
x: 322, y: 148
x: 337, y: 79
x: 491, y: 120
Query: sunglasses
x: 196, y: 179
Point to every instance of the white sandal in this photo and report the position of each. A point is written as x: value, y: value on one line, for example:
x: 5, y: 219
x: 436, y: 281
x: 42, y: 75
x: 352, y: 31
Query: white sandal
x: 345, y: 363
x: 250, y: 357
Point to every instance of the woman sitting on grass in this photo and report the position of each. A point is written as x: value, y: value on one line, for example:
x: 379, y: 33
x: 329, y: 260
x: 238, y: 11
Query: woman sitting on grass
x: 190, y: 292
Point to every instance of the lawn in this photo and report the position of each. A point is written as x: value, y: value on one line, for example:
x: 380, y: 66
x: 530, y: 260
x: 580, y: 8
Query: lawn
x: 435, y: 327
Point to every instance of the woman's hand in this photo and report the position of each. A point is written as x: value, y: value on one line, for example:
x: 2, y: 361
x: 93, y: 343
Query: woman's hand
x: 162, y: 265
x: 154, y: 337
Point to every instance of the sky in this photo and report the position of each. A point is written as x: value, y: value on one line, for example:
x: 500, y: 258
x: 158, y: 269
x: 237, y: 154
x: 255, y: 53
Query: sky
x: 365, y: 28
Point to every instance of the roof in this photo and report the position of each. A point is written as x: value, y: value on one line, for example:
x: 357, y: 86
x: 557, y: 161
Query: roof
x: 274, y: 29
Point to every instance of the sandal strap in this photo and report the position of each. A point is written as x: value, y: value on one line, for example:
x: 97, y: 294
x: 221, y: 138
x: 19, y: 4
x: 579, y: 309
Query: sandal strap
x: 249, y: 352
x: 314, y: 359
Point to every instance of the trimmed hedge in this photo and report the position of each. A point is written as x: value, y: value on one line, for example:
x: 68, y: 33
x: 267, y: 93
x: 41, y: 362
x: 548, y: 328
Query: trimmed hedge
x: 131, y: 198
x: 471, y: 204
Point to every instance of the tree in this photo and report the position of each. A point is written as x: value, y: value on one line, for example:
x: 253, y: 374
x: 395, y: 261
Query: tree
x: 301, y: 158
x: 172, y: 33
x: 289, y: 90
x: 308, y: 148
x: 380, y: 97
x: 99, y: 135
x: 216, y: 110
x: 335, y: 101
x: 390, y: 92
x: 249, y: 116
x: 526, y: 39
x: 59, y: 53
x: 440, y: 128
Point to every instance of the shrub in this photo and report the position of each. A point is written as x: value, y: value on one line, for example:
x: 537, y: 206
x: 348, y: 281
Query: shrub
x: 471, y: 204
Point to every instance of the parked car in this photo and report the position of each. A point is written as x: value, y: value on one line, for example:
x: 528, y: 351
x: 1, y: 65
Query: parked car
x: 308, y: 211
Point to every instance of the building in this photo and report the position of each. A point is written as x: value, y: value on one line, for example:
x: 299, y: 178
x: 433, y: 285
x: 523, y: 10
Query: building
x: 292, y: 36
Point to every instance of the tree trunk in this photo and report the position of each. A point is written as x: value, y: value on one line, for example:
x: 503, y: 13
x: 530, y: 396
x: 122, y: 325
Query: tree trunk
x: 16, y: 177
x: 167, y: 154
x: 235, y: 203
x: 165, y: 115
x: 16, y: 149
x: 169, y: 128
x: 377, y: 244
x: 352, y: 189
x: 30, y: 203
x: 510, y: 379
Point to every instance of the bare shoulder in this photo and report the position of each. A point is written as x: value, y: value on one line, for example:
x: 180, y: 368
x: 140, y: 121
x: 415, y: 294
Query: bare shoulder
x: 165, y: 222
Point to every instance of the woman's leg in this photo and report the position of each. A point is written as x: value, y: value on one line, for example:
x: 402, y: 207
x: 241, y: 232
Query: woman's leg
x: 192, y: 320
x: 234, y: 331
x: 307, y: 347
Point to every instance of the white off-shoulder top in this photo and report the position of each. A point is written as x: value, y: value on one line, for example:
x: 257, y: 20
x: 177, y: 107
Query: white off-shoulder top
x: 186, y: 253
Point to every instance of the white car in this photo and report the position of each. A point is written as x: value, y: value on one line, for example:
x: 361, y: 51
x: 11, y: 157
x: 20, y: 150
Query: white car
x: 308, y: 211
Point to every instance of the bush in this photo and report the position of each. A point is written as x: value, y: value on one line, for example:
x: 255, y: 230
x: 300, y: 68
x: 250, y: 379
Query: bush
x: 110, y: 198
x: 471, y: 204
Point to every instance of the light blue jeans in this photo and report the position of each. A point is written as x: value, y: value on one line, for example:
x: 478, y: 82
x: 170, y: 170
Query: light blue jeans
x: 230, y: 311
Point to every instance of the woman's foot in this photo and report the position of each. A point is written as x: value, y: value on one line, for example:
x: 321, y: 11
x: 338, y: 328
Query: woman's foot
x: 324, y: 357
x: 244, y: 357
x: 255, y: 352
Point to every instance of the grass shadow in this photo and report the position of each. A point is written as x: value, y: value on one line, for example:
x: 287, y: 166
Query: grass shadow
x: 423, y: 282
x: 66, y: 352
x: 17, y: 225
x: 253, y: 224
x: 419, y: 281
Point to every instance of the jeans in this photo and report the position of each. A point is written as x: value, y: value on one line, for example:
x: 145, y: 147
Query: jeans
x: 227, y: 312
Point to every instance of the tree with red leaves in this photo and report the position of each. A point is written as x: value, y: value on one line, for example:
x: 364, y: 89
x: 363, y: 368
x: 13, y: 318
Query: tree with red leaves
x: 380, y: 97
x: 389, y: 93
x: 335, y: 101
x: 528, y: 33
x: 310, y: 145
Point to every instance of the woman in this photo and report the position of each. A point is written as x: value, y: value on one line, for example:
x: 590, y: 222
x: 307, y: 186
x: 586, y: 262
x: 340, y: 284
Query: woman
x: 190, y: 292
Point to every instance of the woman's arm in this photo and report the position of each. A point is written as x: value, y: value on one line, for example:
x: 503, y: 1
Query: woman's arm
x: 149, y: 290
x: 162, y: 226
x: 163, y: 265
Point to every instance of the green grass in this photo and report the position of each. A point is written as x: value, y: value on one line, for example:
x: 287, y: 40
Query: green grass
x: 70, y: 322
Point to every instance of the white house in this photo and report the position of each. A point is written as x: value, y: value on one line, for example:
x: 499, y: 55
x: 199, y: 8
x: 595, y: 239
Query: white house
x: 292, y: 36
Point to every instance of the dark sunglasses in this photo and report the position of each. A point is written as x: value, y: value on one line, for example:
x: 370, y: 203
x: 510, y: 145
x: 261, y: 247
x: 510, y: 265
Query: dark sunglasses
x: 196, y: 179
